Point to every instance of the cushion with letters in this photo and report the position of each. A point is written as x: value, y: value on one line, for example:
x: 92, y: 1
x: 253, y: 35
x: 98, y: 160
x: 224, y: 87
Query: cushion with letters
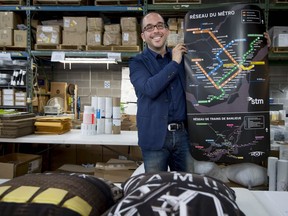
x: 175, y: 193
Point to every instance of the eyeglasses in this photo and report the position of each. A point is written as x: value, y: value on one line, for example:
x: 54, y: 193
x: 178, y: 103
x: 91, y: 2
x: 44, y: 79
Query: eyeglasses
x: 150, y: 27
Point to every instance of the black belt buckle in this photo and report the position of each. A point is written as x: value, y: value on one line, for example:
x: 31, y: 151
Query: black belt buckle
x: 174, y: 126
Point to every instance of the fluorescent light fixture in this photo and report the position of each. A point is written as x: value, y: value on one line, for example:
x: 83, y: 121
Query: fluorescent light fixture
x: 106, y: 61
x: 90, y: 60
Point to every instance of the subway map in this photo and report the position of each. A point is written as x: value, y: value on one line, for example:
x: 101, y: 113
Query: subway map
x: 227, y: 83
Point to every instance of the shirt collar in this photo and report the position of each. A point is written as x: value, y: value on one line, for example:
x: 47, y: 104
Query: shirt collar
x: 156, y: 55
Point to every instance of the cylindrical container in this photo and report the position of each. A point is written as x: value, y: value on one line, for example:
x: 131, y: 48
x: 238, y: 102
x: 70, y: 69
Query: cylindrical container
x: 101, y: 126
x: 116, y: 108
x: 272, y: 172
x: 94, y: 104
x: 88, y: 129
x: 282, y: 175
x: 101, y: 108
x: 108, y: 126
x: 108, y: 107
x: 88, y: 115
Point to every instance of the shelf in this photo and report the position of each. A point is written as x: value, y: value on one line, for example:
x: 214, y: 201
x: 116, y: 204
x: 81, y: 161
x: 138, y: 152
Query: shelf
x: 282, y: 57
x: 73, y: 8
x: 124, y: 55
x: 187, y: 7
x: 278, y: 6
x: 13, y: 107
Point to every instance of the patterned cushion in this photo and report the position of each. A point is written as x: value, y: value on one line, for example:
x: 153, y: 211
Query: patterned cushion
x: 175, y: 193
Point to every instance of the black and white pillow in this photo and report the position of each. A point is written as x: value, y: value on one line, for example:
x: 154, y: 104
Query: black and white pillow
x: 175, y: 193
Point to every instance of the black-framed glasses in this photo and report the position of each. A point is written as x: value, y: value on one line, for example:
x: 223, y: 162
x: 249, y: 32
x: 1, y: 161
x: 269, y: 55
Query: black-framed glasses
x: 159, y: 26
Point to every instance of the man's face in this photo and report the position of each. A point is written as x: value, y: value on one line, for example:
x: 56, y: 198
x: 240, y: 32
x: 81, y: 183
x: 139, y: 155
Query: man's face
x: 154, y: 32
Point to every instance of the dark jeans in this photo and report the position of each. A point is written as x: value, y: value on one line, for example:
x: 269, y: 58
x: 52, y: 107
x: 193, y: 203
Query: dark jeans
x: 175, y: 154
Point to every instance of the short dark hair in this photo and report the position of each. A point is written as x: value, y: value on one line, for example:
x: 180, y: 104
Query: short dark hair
x: 141, y: 22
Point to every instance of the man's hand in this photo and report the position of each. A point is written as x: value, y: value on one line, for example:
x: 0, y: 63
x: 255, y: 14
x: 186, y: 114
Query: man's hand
x: 178, y: 52
x: 266, y: 35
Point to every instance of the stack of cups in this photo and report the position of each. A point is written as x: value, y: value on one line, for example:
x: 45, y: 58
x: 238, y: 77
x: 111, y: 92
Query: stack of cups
x: 88, y: 127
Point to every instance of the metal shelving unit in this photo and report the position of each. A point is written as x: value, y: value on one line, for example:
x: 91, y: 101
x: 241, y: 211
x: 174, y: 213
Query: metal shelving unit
x: 137, y: 10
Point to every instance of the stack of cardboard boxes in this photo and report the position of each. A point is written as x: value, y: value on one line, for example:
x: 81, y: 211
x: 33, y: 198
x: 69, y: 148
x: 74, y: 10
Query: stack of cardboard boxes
x: 74, y: 30
x: 112, y: 34
x: 176, y: 31
x: 9, y: 34
x: 130, y: 33
x: 90, y: 31
x: 95, y: 31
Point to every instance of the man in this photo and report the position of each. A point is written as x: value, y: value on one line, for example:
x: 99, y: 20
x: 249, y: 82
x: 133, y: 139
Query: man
x: 158, y: 77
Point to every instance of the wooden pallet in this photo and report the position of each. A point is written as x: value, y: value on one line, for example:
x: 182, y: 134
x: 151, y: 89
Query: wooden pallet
x: 113, y: 48
x: 177, y: 2
x: 60, y: 2
x: 71, y: 47
x: 46, y: 47
x: 280, y: 49
x: 12, y: 2
x: 117, y: 2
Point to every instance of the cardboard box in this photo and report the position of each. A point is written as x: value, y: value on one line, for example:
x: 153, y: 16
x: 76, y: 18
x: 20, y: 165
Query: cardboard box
x: 73, y: 168
x: 130, y: 38
x: 74, y: 38
x: 95, y: 24
x: 9, y: 20
x: 75, y: 24
x: 115, y: 170
x: 17, y: 164
x: 128, y: 24
x: 47, y: 34
x: 172, y: 39
x: 59, y: 89
x: 281, y: 40
x: 112, y: 28
x: 94, y: 38
x: 20, y: 38
x: 279, y: 36
x: 6, y: 37
x: 180, y: 23
x: 111, y: 38
x: 172, y: 24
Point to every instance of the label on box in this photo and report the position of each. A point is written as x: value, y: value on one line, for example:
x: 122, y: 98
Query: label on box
x: 33, y: 165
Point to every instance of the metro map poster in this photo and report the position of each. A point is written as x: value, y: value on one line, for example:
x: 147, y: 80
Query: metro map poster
x: 227, y: 86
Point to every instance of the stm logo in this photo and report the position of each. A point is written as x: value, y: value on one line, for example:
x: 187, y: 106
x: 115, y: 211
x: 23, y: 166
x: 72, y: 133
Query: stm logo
x: 255, y: 101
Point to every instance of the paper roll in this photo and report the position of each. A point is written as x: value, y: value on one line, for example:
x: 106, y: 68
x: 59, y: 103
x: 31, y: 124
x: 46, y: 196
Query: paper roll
x: 283, y: 154
x: 108, y: 107
x: 94, y: 102
x: 272, y: 173
x: 101, y: 126
x: 88, y: 129
x: 101, y: 107
x: 282, y: 175
x: 116, y: 113
x: 108, y: 126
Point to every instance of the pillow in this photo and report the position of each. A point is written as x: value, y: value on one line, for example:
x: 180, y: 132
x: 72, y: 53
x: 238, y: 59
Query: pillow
x: 246, y: 174
x: 200, y: 167
x: 175, y: 193
x: 210, y: 169
x: 57, y: 194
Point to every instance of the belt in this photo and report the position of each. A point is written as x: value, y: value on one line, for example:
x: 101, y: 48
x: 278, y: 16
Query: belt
x: 175, y: 126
